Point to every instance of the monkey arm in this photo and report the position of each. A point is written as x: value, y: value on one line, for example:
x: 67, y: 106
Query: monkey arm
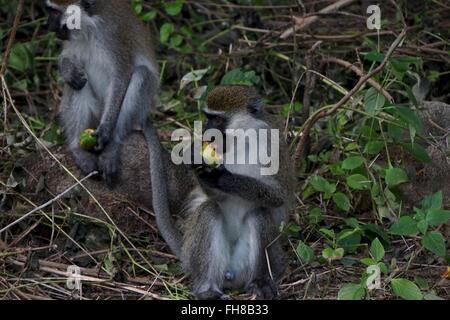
x: 113, y: 105
x: 249, y: 188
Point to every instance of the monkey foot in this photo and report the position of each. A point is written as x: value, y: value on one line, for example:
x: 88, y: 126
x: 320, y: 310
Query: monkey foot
x: 264, y: 289
x: 212, y: 295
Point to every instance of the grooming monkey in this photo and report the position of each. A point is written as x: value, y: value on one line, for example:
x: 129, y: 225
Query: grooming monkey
x: 233, y: 213
x: 110, y: 74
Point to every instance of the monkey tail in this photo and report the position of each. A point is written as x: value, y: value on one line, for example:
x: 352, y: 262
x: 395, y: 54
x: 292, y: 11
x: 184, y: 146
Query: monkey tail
x: 160, y: 200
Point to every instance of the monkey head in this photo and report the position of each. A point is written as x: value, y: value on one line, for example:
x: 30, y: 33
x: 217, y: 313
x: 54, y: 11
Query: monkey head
x: 233, y: 107
x: 226, y: 104
x: 62, y: 14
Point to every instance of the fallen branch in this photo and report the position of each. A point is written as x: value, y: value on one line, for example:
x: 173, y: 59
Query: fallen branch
x: 329, y: 111
x: 302, y: 23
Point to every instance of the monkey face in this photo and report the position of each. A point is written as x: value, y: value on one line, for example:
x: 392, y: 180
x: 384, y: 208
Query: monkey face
x: 61, y: 11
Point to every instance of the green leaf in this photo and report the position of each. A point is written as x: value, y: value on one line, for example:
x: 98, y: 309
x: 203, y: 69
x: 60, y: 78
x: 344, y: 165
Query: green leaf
x: 422, y: 283
x: 176, y: 41
x: 368, y: 261
x: 395, y: 177
x: 374, y: 147
x: 148, y: 16
x: 431, y: 296
x: 352, y: 163
x: 314, y: 216
x: 436, y: 217
x: 373, y: 101
x: 433, y: 201
x: 342, y: 201
x: 322, y: 185
x: 351, y: 291
x: 338, y: 253
x: 239, y: 77
x: 305, y: 253
x: 174, y: 8
x: 434, y: 241
x: 327, y: 253
x: 410, y: 117
x: 328, y: 233
x: 422, y: 225
x: 406, y: 289
x: 358, y: 182
x: 377, y: 250
x: 166, y: 31
x: 405, y: 226
x: 417, y: 151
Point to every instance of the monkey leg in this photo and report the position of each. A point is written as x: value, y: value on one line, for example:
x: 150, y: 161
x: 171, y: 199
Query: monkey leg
x: 133, y: 116
x: 205, y: 252
x: 270, y: 263
x: 76, y: 115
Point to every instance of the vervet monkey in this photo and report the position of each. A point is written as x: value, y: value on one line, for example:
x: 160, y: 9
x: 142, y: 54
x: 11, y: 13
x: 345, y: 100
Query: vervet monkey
x: 232, y: 213
x: 110, y: 74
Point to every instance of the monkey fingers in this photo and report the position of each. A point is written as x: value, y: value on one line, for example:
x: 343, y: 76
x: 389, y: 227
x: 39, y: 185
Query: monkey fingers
x: 103, y: 135
x: 109, y: 164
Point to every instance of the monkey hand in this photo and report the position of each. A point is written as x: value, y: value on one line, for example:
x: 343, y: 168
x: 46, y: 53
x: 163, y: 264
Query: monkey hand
x: 103, y: 135
x: 211, y: 176
x: 72, y: 74
x: 109, y: 164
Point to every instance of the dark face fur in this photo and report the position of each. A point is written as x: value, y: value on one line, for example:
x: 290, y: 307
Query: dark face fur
x: 56, y: 11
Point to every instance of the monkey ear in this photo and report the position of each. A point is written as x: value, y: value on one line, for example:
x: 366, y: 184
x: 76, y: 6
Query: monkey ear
x: 255, y: 107
x: 88, y: 4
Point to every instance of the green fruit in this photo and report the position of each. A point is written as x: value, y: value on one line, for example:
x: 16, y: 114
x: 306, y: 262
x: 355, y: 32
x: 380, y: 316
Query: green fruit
x: 87, y: 140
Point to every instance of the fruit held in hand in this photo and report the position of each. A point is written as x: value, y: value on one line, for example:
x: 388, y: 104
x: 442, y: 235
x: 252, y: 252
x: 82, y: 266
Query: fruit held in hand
x: 210, y: 155
x: 87, y: 140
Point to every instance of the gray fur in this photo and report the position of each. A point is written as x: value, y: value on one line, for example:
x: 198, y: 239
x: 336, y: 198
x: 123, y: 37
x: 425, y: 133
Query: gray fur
x: 111, y: 80
x: 227, y: 229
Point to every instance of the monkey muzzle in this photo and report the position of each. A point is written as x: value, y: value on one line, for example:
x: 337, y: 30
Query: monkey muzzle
x: 54, y: 24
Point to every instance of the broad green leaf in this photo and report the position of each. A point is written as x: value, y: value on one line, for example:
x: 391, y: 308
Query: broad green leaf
x: 342, y: 201
x: 166, y: 31
x: 322, y: 185
x: 368, y: 261
x: 358, y: 182
x: 433, y: 201
x: 374, y: 147
x: 351, y: 291
x: 405, y: 226
x: 352, y: 163
x: 410, y: 117
x: 315, y: 216
x: 395, y: 177
x: 422, y: 225
x: 239, y: 77
x: 434, y: 241
x: 431, y: 296
x: 305, y: 253
x: 406, y: 289
x: 377, y: 250
x: 373, y: 101
x: 174, y: 8
x: 436, y: 217
x: 422, y: 283
x: 192, y: 76
x: 148, y: 16
x: 327, y: 253
x: 338, y: 253
x: 328, y: 233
